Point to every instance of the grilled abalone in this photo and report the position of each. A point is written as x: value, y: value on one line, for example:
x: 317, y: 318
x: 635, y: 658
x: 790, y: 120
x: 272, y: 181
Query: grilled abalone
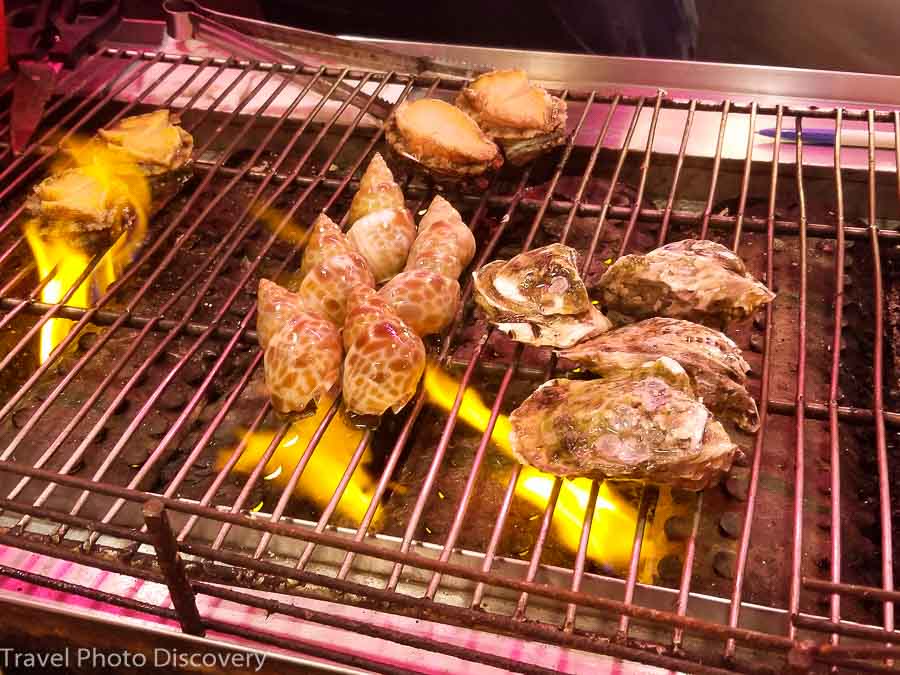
x: 441, y: 138
x: 539, y: 298
x: 101, y: 187
x: 714, y: 363
x: 693, y: 279
x: 154, y: 141
x: 522, y: 118
x: 643, y: 424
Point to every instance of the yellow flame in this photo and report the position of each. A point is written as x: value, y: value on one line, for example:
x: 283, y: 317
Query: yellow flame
x: 614, y: 519
x: 119, y: 183
x: 327, y: 464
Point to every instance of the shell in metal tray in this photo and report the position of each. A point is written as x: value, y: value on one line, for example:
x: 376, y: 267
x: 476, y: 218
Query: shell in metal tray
x: 643, y: 425
x: 693, y: 279
x: 385, y: 358
x: 714, y: 363
x: 302, y: 362
x: 539, y: 298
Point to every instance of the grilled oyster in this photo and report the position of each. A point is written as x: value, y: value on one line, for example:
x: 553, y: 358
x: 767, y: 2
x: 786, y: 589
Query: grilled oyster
x: 714, y: 363
x: 385, y: 358
x: 693, y: 279
x: 154, y: 141
x: 377, y: 190
x: 643, y: 424
x: 539, y: 298
x: 524, y: 119
x: 274, y: 306
x: 425, y: 300
x: 302, y: 361
x: 445, y: 244
x: 384, y: 238
x: 441, y: 138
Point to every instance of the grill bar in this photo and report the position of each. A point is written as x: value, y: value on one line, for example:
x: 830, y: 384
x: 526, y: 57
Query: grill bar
x: 747, y: 523
x: 799, y: 419
x: 884, y: 490
x: 306, y: 162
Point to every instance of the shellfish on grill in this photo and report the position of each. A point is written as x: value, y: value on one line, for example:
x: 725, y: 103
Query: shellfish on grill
x: 538, y: 298
x: 642, y: 424
x: 441, y: 138
x: 693, y: 279
x: 714, y: 363
x: 385, y: 358
x: 522, y: 118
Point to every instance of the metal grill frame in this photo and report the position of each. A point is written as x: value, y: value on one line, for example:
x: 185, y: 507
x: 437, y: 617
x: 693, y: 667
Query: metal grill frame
x: 171, y: 548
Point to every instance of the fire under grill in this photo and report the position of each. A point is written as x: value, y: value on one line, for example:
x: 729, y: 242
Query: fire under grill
x: 142, y: 441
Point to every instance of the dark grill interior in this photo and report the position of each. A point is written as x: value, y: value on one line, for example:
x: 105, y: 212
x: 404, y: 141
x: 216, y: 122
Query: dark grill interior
x: 158, y: 388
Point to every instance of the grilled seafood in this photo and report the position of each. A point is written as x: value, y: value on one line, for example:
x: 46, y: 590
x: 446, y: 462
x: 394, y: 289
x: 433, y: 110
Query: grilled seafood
x: 643, y: 424
x: 377, y: 190
x: 384, y: 238
x: 441, y: 138
x: 523, y: 118
x: 325, y: 288
x: 385, y: 358
x: 693, y: 279
x: 714, y: 363
x: 302, y: 361
x: 325, y: 240
x: 425, y: 300
x: 539, y: 298
x: 154, y: 141
x: 444, y: 244
x: 100, y: 188
x: 275, y: 305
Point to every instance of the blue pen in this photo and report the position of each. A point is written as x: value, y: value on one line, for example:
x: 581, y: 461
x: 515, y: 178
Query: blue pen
x: 849, y: 137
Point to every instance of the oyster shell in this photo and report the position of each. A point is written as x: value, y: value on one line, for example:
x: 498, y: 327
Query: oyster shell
x: 274, y: 306
x: 539, y: 298
x: 384, y: 238
x: 441, y: 138
x: 445, y: 244
x: 698, y: 280
x: 643, y: 424
x: 523, y: 118
x: 425, y: 300
x: 385, y: 358
x: 302, y: 361
x: 714, y: 363
x: 377, y: 190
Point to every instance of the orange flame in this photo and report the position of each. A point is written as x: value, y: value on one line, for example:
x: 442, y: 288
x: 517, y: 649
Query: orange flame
x: 119, y: 184
x: 614, y: 519
x: 326, y: 466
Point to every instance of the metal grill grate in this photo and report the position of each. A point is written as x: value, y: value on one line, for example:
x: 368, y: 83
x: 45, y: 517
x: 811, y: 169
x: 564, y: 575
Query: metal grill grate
x: 83, y: 450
